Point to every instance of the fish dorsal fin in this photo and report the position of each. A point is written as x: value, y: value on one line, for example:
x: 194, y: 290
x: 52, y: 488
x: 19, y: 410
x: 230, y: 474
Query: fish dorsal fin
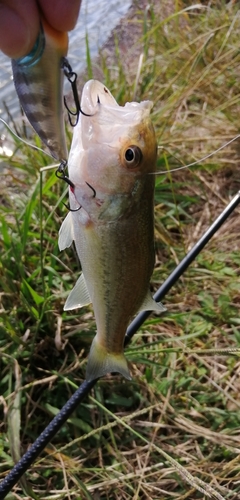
x: 149, y: 304
x: 79, y: 296
x: 66, y: 237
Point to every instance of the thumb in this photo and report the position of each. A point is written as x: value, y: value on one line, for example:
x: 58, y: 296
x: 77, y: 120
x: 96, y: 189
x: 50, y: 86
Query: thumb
x: 19, y: 27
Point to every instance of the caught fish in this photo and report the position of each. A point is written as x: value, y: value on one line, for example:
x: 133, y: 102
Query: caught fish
x: 38, y: 79
x: 111, y: 220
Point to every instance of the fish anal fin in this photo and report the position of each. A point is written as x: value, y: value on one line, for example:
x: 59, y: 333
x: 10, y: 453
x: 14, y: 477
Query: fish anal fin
x: 66, y: 237
x: 149, y: 304
x: 101, y: 362
x: 79, y: 296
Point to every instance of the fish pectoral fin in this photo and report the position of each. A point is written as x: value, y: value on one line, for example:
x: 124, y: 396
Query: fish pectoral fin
x: 101, y: 362
x: 66, y: 236
x: 79, y: 296
x: 149, y: 304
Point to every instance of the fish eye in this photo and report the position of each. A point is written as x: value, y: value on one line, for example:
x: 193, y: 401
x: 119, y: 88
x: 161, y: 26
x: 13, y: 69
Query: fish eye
x: 132, y: 156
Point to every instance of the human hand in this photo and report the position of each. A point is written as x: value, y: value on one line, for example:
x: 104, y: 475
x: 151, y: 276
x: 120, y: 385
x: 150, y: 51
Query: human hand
x: 20, y: 22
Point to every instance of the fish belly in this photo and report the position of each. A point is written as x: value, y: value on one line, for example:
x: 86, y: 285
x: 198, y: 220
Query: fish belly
x: 117, y: 261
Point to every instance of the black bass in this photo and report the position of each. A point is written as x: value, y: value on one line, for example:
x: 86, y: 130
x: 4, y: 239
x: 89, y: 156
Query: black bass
x: 38, y: 78
x: 111, y: 219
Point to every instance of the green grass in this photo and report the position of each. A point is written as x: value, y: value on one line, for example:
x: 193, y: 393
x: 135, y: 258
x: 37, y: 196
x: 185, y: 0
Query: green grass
x: 178, y: 422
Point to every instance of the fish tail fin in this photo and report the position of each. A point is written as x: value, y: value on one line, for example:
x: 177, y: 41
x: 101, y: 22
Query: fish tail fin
x: 101, y: 362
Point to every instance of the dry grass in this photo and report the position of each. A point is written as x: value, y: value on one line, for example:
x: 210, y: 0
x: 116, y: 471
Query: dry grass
x: 183, y: 403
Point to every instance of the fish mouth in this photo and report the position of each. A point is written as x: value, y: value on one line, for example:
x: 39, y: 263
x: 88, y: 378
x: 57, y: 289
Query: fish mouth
x: 103, y: 118
x: 95, y: 93
x: 96, y: 96
x: 109, y: 136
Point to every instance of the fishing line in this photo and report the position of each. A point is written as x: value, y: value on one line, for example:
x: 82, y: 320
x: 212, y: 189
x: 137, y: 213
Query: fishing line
x: 197, y: 161
x: 23, y: 140
x: 60, y: 168
x: 159, y: 172
x: 49, y: 432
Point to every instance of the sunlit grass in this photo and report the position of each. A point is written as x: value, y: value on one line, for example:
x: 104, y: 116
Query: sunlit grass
x: 183, y: 400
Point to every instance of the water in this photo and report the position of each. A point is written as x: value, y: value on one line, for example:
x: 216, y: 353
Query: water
x: 98, y: 22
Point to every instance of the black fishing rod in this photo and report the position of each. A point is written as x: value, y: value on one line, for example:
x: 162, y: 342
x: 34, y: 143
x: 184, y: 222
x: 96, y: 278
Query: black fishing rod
x: 49, y: 432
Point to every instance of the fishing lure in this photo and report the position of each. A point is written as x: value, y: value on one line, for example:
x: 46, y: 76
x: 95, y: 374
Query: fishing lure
x: 38, y: 79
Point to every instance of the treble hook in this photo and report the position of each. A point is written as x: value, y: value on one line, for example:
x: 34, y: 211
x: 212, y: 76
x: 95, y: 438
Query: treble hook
x: 80, y: 206
x: 72, y: 209
x: 92, y: 188
x: 60, y: 174
x: 72, y: 78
